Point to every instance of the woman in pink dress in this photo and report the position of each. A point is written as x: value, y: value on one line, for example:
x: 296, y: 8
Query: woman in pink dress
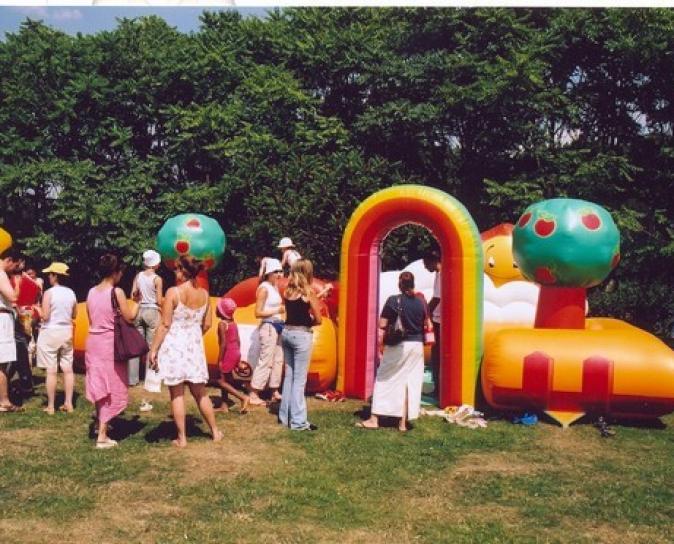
x: 106, y: 379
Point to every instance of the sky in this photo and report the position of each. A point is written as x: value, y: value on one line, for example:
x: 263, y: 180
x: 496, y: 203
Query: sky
x: 89, y: 20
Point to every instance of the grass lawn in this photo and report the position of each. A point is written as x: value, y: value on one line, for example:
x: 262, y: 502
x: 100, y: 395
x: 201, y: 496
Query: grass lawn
x: 437, y: 483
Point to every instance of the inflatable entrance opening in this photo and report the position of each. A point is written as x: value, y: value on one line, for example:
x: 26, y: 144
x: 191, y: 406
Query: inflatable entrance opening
x: 461, y: 288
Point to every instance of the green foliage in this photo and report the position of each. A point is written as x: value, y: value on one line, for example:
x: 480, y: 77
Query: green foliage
x: 282, y: 125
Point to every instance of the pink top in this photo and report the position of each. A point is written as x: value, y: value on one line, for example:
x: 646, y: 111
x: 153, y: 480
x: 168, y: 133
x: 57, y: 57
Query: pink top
x: 232, y: 354
x: 101, y: 314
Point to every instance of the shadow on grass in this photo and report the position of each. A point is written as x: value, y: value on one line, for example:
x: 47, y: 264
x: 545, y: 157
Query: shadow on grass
x: 166, y: 430
x: 119, y: 428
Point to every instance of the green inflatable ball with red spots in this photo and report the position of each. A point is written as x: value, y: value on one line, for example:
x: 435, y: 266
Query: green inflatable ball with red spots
x: 566, y: 242
x: 192, y: 234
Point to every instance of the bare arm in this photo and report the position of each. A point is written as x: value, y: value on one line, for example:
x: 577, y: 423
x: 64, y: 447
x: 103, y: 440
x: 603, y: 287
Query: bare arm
x: 125, y: 309
x: 164, y: 326
x: 45, y: 308
x: 260, y: 299
x: 159, y: 286
x: 315, y: 308
x: 222, y: 340
x: 432, y: 305
x: 6, y: 288
x: 74, y: 316
x: 135, y: 293
x: 208, y: 318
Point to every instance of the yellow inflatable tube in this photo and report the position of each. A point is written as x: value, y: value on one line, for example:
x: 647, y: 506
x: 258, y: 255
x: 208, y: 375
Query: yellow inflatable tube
x: 322, y: 368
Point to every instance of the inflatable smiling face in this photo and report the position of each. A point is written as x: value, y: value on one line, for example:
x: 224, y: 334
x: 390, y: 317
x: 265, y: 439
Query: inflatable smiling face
x: 566, y: 242
x: 191, y: 234
x: 499, y: 265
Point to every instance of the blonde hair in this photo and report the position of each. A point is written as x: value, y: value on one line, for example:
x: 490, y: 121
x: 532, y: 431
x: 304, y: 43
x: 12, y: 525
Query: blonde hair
x: 299, y: 281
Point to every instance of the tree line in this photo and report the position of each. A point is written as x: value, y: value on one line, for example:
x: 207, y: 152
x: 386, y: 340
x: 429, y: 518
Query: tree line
x: 280, y: 126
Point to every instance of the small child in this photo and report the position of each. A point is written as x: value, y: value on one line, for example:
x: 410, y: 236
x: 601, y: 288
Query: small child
x: 229, y: 356
x: 289, y: 254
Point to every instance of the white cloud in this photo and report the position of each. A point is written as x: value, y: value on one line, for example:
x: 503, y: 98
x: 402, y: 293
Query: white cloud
x: 66, y: 15
x: 32, y: 12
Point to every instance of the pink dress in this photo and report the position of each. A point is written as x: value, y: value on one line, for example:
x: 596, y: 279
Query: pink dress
x: 232, y: 354
x: 106, y: 378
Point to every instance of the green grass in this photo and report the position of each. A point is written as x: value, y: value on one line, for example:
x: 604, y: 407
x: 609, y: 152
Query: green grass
x: 437, y: 483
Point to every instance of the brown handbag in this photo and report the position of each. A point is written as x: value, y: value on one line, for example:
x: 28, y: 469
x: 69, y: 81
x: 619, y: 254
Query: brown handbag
x: 129, y: 343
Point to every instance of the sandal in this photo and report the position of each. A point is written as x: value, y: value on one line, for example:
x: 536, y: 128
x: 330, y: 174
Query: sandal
x: 11, y: 408
x: 106, y: 444
x: 67, y: 409
x: 361, y: 425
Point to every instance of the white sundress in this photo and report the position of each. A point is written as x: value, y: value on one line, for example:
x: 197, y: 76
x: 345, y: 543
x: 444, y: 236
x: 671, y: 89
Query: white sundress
x: 181, y: 356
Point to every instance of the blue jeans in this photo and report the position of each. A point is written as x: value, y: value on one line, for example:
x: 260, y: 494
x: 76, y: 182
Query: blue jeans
x: 297, y: 346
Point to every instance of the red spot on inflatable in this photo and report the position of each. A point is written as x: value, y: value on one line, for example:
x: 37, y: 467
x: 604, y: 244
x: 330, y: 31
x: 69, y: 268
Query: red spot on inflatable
x: 182, y: 246
x: 208, y: 263
x: 544, y: 227
x: 591, y: 221
x: 544, y: 275
x: 615, y: 260
x: 194, y: 224
x: 524, y: 220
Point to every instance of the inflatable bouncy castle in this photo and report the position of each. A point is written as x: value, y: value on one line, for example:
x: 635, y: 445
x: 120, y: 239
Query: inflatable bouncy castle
x: 568, y: 365
x: 540, y: 351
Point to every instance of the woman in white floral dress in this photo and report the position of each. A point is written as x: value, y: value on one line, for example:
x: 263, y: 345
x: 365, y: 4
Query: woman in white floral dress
x: 177, y: 351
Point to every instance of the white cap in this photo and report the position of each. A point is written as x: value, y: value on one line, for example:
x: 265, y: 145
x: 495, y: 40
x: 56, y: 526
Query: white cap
x: 272, y: 265
x: 151, y: 258
x: 285, y: 242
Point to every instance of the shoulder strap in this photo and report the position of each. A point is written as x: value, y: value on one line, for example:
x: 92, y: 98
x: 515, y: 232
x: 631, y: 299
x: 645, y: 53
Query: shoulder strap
x: 115, y: 302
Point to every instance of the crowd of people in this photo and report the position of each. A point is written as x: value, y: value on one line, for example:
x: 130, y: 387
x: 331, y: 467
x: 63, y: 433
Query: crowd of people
x: 173, y: 323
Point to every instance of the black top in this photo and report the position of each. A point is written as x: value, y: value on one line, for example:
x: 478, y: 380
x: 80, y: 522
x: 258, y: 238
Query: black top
x: 297, y: 313
x: 413, y: 315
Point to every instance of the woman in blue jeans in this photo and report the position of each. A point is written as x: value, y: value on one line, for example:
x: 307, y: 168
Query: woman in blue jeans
x: 302, y: 313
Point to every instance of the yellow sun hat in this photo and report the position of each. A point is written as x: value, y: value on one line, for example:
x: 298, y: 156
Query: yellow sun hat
x: 57, y: 268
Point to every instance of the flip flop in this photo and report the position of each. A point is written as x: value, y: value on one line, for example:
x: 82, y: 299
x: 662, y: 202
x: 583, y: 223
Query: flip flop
x: 11, y: 408
x: 361, y: 425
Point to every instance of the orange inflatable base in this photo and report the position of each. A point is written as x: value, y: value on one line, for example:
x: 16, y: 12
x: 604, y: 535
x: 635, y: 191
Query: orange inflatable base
x: 610, y: 367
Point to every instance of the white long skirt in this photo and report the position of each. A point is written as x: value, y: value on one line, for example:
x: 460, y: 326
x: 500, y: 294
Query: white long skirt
x: 401, y: 371
x: 7, y: 342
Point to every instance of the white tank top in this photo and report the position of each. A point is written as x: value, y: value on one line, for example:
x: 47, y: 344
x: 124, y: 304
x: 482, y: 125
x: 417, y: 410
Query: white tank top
x: 292, y: 257
x: 60, y: 308
x: 273, y: 302
x: 147, y: 289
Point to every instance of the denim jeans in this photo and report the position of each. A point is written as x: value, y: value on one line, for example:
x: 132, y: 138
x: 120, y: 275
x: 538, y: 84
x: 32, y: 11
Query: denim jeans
x: 297, y: 346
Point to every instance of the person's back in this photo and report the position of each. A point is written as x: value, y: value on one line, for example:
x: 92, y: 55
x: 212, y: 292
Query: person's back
x: 99, y: 308
x: 412, y: 315
x: 147, y: 288
x: 62, y: 302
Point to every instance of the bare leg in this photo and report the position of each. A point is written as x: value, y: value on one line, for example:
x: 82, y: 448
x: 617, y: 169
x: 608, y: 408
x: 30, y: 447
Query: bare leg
x: 102, y: 431
x: 69, y: 387
x: 227, y: 386
x: 4, y: 389
x: 51, y: 391
x: 198, y: 391
x: 402, y: 426
x: 178, y: 408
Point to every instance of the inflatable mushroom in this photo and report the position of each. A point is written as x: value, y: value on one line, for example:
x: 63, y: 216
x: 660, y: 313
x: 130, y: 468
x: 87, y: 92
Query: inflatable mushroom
x: 565, y: 245
x: 195, y: 235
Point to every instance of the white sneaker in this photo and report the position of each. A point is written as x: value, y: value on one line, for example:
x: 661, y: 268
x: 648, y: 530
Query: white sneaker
x: 145, y: 406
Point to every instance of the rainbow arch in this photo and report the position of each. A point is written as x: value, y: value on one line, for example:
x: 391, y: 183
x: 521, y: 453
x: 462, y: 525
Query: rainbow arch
x: 461, y: 288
